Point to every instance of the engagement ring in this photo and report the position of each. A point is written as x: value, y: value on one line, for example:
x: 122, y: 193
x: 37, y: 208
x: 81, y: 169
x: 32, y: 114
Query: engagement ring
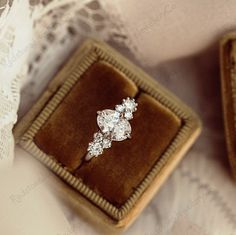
x: 114, y: 126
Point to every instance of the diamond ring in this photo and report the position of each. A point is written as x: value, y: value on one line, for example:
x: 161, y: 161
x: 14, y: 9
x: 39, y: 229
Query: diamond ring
x: 114, y: 126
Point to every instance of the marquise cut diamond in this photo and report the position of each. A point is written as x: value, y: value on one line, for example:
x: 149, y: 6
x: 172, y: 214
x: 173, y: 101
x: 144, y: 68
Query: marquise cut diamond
x: 121, y: 131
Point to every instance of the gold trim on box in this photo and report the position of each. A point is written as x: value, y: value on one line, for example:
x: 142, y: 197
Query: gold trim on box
x: 233, y: 82
x: 226, y: 108
x: 99, y: 51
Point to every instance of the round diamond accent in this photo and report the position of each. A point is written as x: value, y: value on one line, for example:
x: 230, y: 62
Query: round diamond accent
x: 95, y: 149
x: 106, y: 143
x: 128, y: 115
x: 130, y: 104
x: 98, y: 137
x: 120, y: 108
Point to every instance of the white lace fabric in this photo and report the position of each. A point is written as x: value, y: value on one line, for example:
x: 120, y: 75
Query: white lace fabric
x: 31, y: 32
x: 13, y: 42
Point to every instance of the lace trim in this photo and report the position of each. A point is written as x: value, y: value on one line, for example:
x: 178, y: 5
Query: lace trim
x: 67, y: 24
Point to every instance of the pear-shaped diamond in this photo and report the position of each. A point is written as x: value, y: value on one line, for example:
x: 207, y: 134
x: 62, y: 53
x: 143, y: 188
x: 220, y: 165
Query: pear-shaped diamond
x: 107, y: 120
x: 111, y: 122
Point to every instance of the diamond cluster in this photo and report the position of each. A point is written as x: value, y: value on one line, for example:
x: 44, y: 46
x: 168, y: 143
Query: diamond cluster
x: 114, y: 126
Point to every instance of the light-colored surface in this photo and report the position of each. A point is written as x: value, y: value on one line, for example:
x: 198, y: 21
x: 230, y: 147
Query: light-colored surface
x: 27, y: 207
x: 177, y: 43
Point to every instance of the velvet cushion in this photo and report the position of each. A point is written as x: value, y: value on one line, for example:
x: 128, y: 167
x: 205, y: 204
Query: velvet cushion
x: 119, y: 170
x: 70, y: 128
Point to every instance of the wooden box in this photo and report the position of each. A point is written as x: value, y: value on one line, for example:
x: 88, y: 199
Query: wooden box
x: 228, y: 85
x: 114, y: 188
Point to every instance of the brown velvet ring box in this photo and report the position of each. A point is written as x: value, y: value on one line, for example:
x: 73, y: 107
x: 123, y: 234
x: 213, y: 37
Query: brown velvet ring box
x: 228, y: 85
x: 116, y: 186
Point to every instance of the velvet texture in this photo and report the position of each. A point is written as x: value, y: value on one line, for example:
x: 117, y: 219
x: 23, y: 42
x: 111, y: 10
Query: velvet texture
x: 70, y: 128
x: 119, y: 170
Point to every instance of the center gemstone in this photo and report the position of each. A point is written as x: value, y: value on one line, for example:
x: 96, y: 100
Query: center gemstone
x: 110, y: 121
x: 107, y: 120
x: 121, y: 131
